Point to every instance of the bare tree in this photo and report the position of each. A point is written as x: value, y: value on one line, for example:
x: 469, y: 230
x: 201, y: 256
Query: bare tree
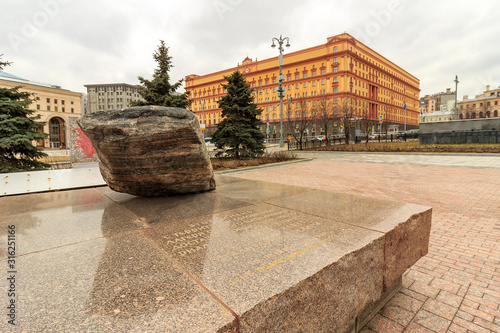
x: 298, y: 120
x: 365, y: 122
x: 347, y: 114
x: 325, y: 115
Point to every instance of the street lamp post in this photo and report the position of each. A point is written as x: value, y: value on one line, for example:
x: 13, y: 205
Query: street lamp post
x: 203, y: 120
x: 281, y: 78
x: 456, y: 90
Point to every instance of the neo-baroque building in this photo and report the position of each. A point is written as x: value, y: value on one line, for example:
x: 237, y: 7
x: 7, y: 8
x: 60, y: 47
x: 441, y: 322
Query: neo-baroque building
x: 341, y: 69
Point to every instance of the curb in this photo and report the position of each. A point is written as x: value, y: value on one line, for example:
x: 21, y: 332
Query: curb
x: 263, y: 166
x: 397, y: 153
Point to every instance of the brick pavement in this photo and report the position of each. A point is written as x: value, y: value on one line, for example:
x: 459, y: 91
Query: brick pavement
x: 456, y: 286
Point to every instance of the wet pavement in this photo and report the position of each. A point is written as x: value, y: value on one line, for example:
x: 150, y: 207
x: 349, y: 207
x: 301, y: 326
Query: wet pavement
x: 96, y: 260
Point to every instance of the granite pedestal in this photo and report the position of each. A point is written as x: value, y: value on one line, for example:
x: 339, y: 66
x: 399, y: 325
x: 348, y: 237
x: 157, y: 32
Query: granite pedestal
x: 248, y: 257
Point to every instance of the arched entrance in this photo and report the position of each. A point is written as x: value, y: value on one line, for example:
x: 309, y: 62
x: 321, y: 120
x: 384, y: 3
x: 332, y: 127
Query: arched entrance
x: 57, y: 132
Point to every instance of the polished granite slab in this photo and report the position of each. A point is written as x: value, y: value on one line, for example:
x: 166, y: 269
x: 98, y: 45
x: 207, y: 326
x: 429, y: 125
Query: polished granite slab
x: 250, y: 257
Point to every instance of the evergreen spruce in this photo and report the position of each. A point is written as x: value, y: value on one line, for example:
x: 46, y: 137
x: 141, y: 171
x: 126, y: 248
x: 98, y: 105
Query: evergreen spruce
x: 159, y: 91
x: 239, y: 129
x: 18, y: 130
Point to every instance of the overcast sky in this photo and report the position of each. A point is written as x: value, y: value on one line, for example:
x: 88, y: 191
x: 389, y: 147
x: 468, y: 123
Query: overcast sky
x: 74, y: 42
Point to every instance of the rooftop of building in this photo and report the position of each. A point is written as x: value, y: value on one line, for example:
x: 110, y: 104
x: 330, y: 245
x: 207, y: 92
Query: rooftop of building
x: 10, y: 76
x: 13, y: 78
x: 110, y: 85
x: 482, y: 98
x: 388, y: 65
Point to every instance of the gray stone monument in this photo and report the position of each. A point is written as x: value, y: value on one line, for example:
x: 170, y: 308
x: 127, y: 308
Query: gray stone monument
x: 150, y: 150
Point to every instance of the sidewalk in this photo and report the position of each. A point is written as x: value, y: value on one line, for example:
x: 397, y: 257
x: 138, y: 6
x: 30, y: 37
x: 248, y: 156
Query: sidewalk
x: 456, y: 286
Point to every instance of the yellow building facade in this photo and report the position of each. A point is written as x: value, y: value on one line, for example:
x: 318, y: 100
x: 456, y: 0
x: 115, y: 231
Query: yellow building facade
x: 485, y: 105
x: 54, y: 105
x: 341, y: 69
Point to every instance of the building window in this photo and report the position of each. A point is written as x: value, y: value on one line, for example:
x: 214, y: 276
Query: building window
x: 296, y: 76
x: 296, y: 86
x: 335, y: 90
x: 322, y: 81
x: 63, y: 109
x: 274, y: 80
x: 48, y: 107
x: 72, y: 102
x: 335, y: 60
x: 322, y: 72
x: 334, y: 79
x: 38, y: 106
x: 334, y: 101
x: 314, y: 73
x: 305, y: 75
x: 289, y: 78
x: 55, y: 109
x: 305, y: 84
x: 62, y: 101
x: 48, y: 100
x: 314, y: 83
x: 335, y: 49
x: 335, y: 69
x: 72, y: 110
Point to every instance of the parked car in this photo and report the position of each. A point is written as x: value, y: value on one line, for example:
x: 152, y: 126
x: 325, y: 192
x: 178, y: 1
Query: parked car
x: 410, y: 134
x: 337, y: 136
x: 320, y: 138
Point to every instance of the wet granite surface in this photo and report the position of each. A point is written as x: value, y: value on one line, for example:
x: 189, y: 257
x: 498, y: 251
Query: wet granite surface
x: 249, y: 256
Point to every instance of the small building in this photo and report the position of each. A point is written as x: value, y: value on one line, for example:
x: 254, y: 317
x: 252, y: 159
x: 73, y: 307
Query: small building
x: 485, y: 105
x: 54, y: 105
x: 108, y: 96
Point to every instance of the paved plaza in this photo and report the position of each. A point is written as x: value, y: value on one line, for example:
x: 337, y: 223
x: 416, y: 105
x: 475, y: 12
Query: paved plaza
x: 76, y: 247
x: 456, y: 287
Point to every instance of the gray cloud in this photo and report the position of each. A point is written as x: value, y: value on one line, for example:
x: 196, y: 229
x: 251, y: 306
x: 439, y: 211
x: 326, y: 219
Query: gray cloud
x: 78, y: 42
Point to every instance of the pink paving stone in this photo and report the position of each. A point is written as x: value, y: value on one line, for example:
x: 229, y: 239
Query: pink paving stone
x: 440, y: 309
x: 397, y: 314
x: 415, y: 328
x: 432, y: 321
x: 381, y: 324
x: 449, y: 298
x: 406, y: 302
x: 487, y: 324
x: 470, y: 325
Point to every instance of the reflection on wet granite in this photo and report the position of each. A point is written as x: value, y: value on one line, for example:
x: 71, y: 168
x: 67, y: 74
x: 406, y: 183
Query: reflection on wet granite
x: 119, y: 284
x: 266, y: 257
x: 257, y: 246
x: 50, y: 228
x: 257, y: 191
x: 156, y: 210
x: 18, y: 204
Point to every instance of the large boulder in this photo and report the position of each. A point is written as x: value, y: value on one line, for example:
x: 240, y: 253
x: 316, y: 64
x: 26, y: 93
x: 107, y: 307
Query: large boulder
x: 150, y: 150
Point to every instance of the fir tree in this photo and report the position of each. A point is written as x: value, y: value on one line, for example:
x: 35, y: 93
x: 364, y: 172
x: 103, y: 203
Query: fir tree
x: 18, y: 129
x: 159, y: 91
x: 239, y: 129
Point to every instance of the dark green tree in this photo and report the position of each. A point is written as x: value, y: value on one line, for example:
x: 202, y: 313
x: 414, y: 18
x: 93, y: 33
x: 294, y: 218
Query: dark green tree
x: 239, y: 129
x: 159, y: 91
x: 18, y: 130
